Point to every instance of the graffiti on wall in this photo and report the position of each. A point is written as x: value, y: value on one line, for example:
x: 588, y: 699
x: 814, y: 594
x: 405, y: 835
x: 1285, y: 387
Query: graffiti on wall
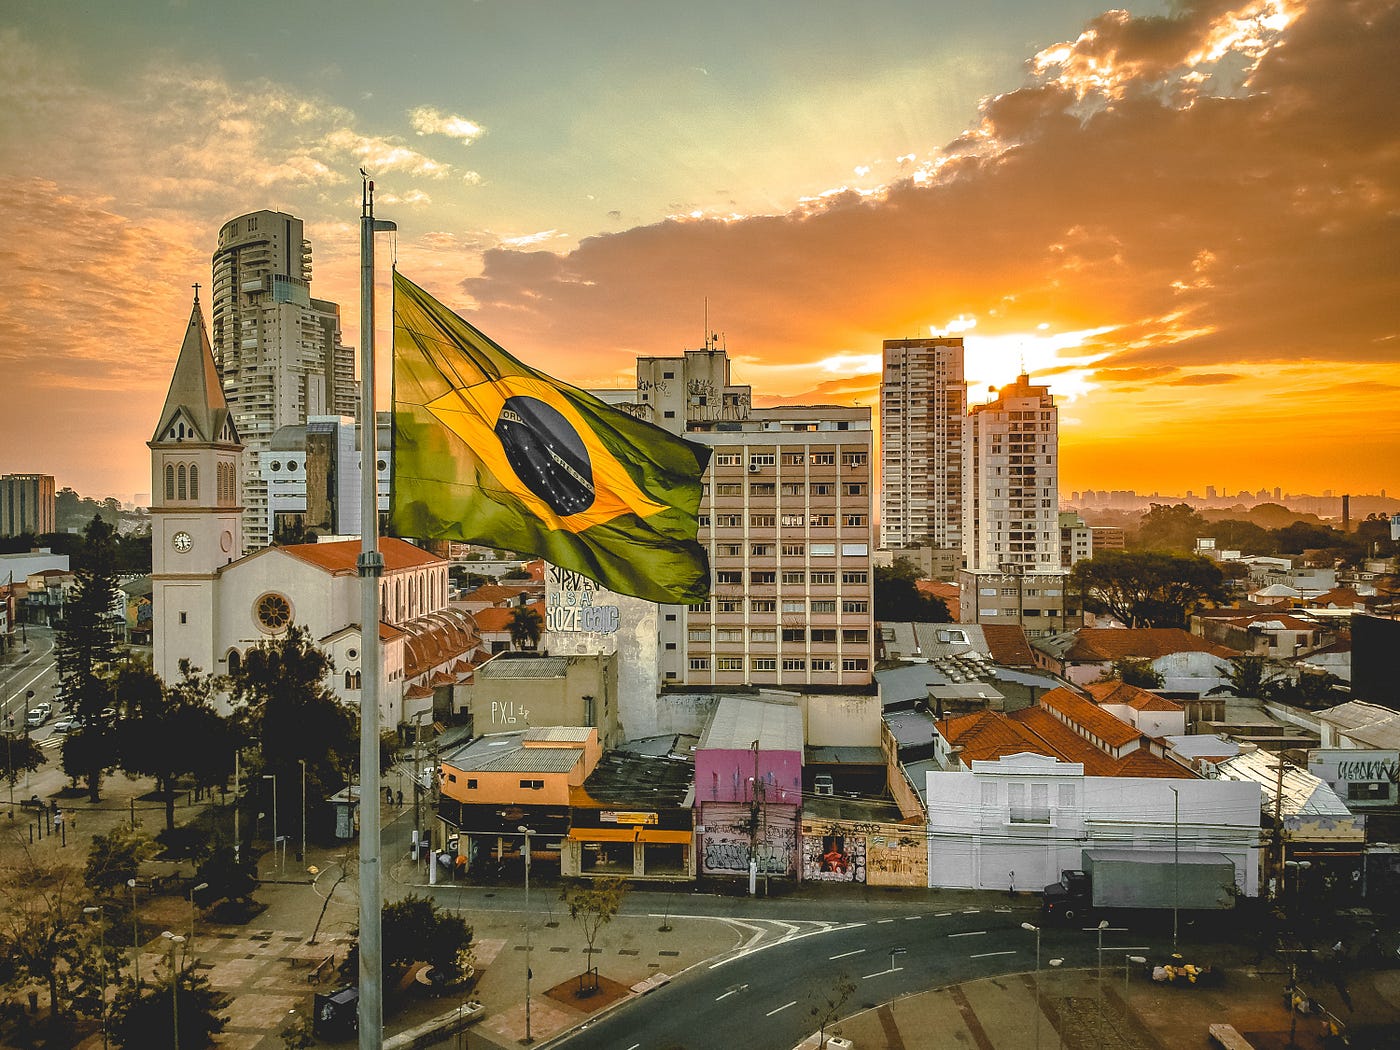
x: 860, y: 851
x: 833, y: 858
x: 729, y: 842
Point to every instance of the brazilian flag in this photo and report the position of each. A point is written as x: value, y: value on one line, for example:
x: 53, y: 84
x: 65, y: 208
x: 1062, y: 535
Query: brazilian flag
x: 487, y: 450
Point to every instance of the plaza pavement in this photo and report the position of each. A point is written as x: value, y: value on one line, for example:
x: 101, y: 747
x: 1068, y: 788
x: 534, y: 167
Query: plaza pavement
x: 268, y: 966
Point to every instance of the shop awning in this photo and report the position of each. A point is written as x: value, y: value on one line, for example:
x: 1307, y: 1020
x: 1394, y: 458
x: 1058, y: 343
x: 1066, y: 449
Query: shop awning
x: 629, y: 835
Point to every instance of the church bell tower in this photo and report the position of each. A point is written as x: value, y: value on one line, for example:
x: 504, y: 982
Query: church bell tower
x: 196, y: 512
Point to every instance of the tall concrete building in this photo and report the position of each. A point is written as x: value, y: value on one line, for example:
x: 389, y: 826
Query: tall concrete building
x: 313, y: 477
x: 923, y: 399
x: 278, y: 350
x: 786, y: 516
x: 28, y: 503
x: 1011, y: 527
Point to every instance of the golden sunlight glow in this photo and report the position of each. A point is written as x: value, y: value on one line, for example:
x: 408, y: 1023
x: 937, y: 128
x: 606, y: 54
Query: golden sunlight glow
x: 1050, y: 358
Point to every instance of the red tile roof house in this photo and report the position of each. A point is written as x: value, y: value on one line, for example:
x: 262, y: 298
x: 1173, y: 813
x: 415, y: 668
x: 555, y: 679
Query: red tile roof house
x: 1187, y: 662
x: 1020, y: 796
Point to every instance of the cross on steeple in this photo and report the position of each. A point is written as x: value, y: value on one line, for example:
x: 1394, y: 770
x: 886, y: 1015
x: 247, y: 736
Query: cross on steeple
x: 196, y: 291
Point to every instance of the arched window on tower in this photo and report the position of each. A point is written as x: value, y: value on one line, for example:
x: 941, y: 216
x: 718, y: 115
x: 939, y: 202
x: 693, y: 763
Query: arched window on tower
x: 180, y: 486
x: 194, y: 481
x: 169, y: 481
x: 235, y: 661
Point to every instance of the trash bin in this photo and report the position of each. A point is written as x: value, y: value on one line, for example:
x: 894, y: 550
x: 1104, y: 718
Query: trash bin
x: 336, y: 1014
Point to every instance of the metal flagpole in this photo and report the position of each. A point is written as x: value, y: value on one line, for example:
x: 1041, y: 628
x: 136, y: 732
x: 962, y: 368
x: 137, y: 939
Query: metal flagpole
x: 370, y: 567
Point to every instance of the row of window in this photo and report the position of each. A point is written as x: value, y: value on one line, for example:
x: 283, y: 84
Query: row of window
x: 791, y: 459
x: 788, y: 521
x: 735, y: 577
x: 818, y: 635
x: 770, y: 605
x: 787, y: 488
x: 770, y: 663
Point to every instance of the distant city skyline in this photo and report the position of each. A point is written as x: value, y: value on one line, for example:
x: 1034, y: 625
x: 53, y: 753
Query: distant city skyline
x: 1179, y: 218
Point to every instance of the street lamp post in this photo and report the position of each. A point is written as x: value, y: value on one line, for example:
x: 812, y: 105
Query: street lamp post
x: 1036, y: 930
x: 135, y: 937
x: 1140, y: 960
x: 1176, y: 860
x: 301, y: 853
x: 174, y: 940
x: 271, y: 777
x: 193, y: 890
x: 527, y: 832
x: 102, y: 949
x: 1297, y: 867
x: 1060, y: 1040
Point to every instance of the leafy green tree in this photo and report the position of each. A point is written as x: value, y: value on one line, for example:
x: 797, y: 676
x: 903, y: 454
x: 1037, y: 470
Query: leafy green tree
x: 593, y: 905
x: 525, y: 626
x: 1250, y: 674
x: 897, y: 597
x: 414, y: 929
x: 175, y: 732
x: 41, y: 932
x: 86, y: 645
x: 19, y: 755
x: 229, y: 875
x: 1133, y: 670
x: 286, y: 708
x: 115, y: 857
x: 142, y: 1018
x: 1171, y: 528
x: 1148, y: 588
x: 1300, y: 536
x: 1247, y: 537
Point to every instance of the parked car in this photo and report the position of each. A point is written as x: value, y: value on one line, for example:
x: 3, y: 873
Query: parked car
x: 38, y: 715
x: 67, y: 723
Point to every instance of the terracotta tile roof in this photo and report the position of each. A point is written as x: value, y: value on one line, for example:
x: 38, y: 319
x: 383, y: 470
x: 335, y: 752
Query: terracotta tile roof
x: 1064, y: 742
x: 496, y: 619
x: 1344, y: 597
x: 985, y: 735
x: 1094, y: 644
x: 417, y: 692
x: 1008, y: 644
x: 498, y: 592
x: 339, y: 558
x: 1089, y: 717
x: 1115, y: 692
x: 1143, y: 763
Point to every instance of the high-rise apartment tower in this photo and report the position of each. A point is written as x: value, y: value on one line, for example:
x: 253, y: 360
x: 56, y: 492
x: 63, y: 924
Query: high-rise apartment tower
x: 278, y: 350
x: 923, y: 399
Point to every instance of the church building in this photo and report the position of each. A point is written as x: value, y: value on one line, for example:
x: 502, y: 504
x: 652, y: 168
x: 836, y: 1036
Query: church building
x: 212, y: 604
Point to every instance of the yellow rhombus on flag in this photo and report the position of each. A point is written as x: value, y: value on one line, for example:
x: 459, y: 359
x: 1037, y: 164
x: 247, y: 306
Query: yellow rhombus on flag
x: 487, y: 450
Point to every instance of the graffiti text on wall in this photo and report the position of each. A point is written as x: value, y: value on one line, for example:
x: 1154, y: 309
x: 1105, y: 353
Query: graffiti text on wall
x: 569, y: 605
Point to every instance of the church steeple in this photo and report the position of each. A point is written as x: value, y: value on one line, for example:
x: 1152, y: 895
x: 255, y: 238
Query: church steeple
x: 195, y: 407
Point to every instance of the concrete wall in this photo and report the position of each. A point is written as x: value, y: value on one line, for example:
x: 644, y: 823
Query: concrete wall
x: 841, y: 721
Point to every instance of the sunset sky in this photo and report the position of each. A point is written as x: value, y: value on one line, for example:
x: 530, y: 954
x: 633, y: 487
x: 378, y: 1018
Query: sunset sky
x: 1185, y: 217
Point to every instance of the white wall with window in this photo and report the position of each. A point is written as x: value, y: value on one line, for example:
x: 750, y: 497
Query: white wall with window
x: 1017, y: 822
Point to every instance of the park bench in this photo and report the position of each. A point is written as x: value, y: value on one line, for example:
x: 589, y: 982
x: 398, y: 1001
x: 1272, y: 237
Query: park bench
x: 318, y: 971
x: 36, y: 803
x: 1229, y: 1039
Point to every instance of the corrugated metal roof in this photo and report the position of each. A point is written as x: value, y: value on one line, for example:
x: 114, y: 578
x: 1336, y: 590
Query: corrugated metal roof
x: 506, y: 753
x: 739, y: 721
x: 559, y: 734
x: 1302, y: 792
x: 523, y: 667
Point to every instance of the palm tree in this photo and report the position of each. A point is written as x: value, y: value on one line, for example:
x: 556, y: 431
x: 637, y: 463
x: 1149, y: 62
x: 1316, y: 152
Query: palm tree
x: 525, y: 627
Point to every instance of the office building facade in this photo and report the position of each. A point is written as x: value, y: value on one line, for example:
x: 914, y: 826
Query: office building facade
x: 28, y: 503
x: 278, y: 350
x: 786, y: 517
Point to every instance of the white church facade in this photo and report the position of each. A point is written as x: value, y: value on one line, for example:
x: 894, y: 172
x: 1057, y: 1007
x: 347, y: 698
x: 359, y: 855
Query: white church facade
x: 212, y: 603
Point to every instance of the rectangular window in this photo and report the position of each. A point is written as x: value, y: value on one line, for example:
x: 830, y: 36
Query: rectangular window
x: 730, y: 606
x: 760, y: 550
x: 764, y: 663
x: 762, y: 488
x: 794, y: 664
x: 728, y: 459
x: 854, y: 459
x: 729, y: 550
x: 823, y: 665
x: 855, y: 637
x: 823, y: 578
x: 532, y: 785
x: 852, y: 520
x: 699, y: 607
x: 184, y: 617
x: 729, y: 634
x: 824, y: 634
x: 855, y: 490
x: 794, y: 550
x: 823, y: 550
x: 794, y: 577
x: 729, y: 663
x: 728, y: 521
x: 703, y: 520
x: 855, y: 550
x: 823, y: 459
x: 762, y: 459
x: 855, y: 577
x: 763, y: 634
x: 763, y: 578
x: 729, y: 576
x: 794, y: 606
x: 794, y: 459
x: 794, y: 634
x: 699, y: 634
x: 471, y: 782
x: 791, y: 521
x: 823, y: 489
x: 729, y: 489
x: 823, y: 520
x: 823, y: 606
x: 762, y: 521
x: 699, y: 663
x: 855, y: 665
x: 793, y: 489
x: 855, y: 607
x: 763, y: 605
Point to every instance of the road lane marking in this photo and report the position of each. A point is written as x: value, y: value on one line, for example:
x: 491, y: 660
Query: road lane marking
x: 974, y: 933
x: 634, y: 1046
x: 844, y: 955
x: 752, y: 949
x: 885, y: 920
x: 911, y: 918
x: 988, y: 955
x: 942, y: 914
x: 781, y: 1008
x: 882, y: 973
x: 733, y: 991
